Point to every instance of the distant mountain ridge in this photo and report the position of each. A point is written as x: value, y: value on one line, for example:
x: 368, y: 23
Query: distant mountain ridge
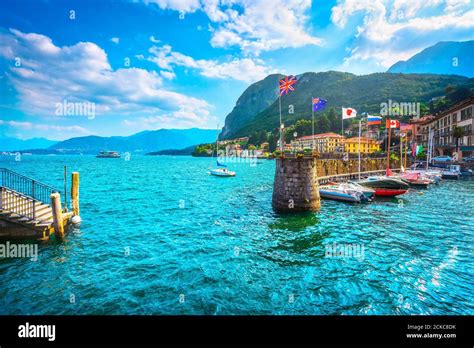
x: 143, y: 142
x: 447, y: 57
x: 14, y: 144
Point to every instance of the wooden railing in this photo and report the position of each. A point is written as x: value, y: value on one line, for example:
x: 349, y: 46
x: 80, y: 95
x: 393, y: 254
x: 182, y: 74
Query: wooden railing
x: 20, y: 194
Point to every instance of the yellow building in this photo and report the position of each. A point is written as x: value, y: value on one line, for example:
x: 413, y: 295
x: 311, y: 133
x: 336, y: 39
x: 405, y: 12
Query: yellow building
x: 325, y: 142
x: 367, y: 145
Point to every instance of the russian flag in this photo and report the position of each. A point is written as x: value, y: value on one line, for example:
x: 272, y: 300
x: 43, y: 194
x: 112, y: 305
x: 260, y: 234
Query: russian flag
x: 373, y: 120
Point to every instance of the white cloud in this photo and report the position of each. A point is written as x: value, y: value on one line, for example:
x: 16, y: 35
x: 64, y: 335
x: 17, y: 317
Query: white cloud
x: 246, y: 69
x: 81, y: 73
x: 178, y: 5
x: 396, y: 30
x: 53, y: 131
x: 167, y: 74
x: 115, y: 40
x: 154, y: 39
x: 252, y: 25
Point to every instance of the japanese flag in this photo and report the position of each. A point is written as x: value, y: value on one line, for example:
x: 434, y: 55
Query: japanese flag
x: 392, y: 124
x: 348, y: 113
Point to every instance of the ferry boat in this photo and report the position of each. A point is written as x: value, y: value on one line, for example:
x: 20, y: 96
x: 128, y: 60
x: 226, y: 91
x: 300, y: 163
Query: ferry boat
x: 108, y: 154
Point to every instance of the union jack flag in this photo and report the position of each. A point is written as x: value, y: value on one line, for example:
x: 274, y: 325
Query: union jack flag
x: 286, y: 84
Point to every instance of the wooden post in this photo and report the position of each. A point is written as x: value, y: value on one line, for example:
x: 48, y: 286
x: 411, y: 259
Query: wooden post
x: 57, y: 215
x: 75, y: 193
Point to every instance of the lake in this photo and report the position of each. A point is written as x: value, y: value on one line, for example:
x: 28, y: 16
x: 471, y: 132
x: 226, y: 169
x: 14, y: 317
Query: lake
x: 160, y: 236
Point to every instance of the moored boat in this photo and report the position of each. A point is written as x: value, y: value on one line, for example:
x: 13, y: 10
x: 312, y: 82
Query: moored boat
x: 415, y: 179
x: 385, y: 186
x: 221, y: 169
x: 224, y: 172
x: 342, y: 192
x: 368, y: 192
x: 453, y: 173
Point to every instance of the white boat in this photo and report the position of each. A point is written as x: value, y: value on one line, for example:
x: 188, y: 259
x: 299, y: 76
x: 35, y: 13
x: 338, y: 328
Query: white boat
x: 343, y: 192
x: 221, y: 172
x: 454, y: 172
x: 368, y: 192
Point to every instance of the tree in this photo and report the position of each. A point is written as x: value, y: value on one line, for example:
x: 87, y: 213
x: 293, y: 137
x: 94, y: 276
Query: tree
x: 273, y: 139
x: 334, y: 124
x: 323, y: 123
x: 458, y: 132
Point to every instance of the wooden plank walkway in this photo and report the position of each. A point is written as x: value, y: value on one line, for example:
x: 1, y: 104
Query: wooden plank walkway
x: 16, y: 217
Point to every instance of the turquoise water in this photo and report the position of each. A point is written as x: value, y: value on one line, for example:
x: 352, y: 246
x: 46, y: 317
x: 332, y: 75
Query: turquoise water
x: 160, y: 236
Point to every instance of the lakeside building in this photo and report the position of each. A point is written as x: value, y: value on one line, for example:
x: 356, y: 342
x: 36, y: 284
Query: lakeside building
x: 233, y: 141
x: 443, y: 124
x: 325, y: 142
x: 367, y: 145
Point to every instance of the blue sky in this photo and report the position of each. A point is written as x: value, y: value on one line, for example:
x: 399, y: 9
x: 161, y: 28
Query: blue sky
x: 151, y: 64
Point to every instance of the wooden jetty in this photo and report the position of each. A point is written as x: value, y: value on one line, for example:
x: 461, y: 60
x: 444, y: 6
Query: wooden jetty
x: 31, y: 210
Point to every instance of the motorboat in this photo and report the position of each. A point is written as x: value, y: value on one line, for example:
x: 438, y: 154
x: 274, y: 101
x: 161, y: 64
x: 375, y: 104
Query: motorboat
x: 453, y: 173
x: 368, y: 192
x: 415, y: 179
x: 342, y: 192
x: 385, y: 186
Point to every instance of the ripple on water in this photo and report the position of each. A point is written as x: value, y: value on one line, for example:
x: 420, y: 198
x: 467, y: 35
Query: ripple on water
x: 160, y: 236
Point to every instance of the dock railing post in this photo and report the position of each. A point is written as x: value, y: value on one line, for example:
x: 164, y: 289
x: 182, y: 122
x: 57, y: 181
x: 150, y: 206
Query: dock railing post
x: 57, y: 215
x: 75, y: 193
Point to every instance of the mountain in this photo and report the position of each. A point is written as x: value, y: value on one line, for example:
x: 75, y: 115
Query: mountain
x: 340, y: 89
x: 449, y: 57
x: 187, y: 151
x: 257, y: 97
x: 143, y: 142
x: 14, y: 144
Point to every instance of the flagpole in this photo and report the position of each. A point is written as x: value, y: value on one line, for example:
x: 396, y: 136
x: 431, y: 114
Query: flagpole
x: 406, y: 151
x: 401, y: 150
x: 389, y: 130
x: 342, y: 123
x: 367, y: 127
x: 312, y: 117
x: 281, y: 130
x: 360, y: 131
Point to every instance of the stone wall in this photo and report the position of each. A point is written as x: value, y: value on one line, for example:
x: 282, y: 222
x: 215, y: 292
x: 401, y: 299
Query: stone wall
x: 326, y: 167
